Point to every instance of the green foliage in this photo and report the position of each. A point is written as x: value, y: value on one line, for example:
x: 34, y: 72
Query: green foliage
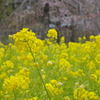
x: 31, y: 68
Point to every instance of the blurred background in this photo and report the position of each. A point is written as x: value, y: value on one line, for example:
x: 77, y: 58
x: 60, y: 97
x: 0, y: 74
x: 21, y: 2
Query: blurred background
x: 71, y: 18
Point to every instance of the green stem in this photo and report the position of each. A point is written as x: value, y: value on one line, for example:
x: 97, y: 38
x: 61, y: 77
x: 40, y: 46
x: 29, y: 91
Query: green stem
x: 31, y: 51
x: 44, y: 84
x: 39, y: 72
x: 14, y: 94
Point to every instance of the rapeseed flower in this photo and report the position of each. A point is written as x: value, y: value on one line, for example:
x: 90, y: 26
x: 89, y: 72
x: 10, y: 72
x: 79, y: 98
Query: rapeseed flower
x: 92, y: 37
x: 17, y: 82
x: 54, y: 88
x: 64, y: 62
x: 91, y: 65
x: 62, y: 40
x: 67, y: 98
x: 9, y: 64
x: 72, y: 64
x: 79, y: 39
x: 52, y: 33
x: 1, y: 52
x: 80, y: 93
x: 84, y: 38
x: 97, y: 58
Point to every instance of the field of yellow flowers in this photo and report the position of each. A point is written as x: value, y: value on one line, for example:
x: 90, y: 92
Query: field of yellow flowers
x: 34, y: 69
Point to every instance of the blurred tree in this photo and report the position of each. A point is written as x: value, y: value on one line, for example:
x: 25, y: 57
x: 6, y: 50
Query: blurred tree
x: 6, y: 8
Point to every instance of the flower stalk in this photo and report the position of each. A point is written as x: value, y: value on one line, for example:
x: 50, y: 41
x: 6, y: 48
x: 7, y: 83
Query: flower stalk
x: 38, y: 71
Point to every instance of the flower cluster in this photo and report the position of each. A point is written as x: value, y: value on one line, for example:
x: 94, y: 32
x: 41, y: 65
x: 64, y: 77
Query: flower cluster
x: 17, y: 82
x: 52, y: 33
x: 81, y: 93
x: 35, y: 69
x: 54, y: 87
x: 26, y: 38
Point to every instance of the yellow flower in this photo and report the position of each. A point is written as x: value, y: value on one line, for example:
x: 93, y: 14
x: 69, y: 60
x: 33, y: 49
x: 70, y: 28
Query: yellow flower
x: 92, y: 95
x: 35, y: 98
x: 79, y: 39
x: 43, y: 76
x: 52, y: 33
x: 91, y: 65
x: 94, y: 77
x: 64, y: 62
x: 67, y: 98
x: 25, y: 38
x: 62, y: 40
x: 92, y: 37
x: 97, y: 58
x: 97, y: 72
x: 74, y: 59
x: 80, y: 93
x: 64, y: 55
x: 17, y: 82
x: 80, y: 72
x: 84, y: 38
x: 53, y: 82
x: 1, y: 52
x: 53, y: 88
x: 9, y: 64
x: 3, y: 75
